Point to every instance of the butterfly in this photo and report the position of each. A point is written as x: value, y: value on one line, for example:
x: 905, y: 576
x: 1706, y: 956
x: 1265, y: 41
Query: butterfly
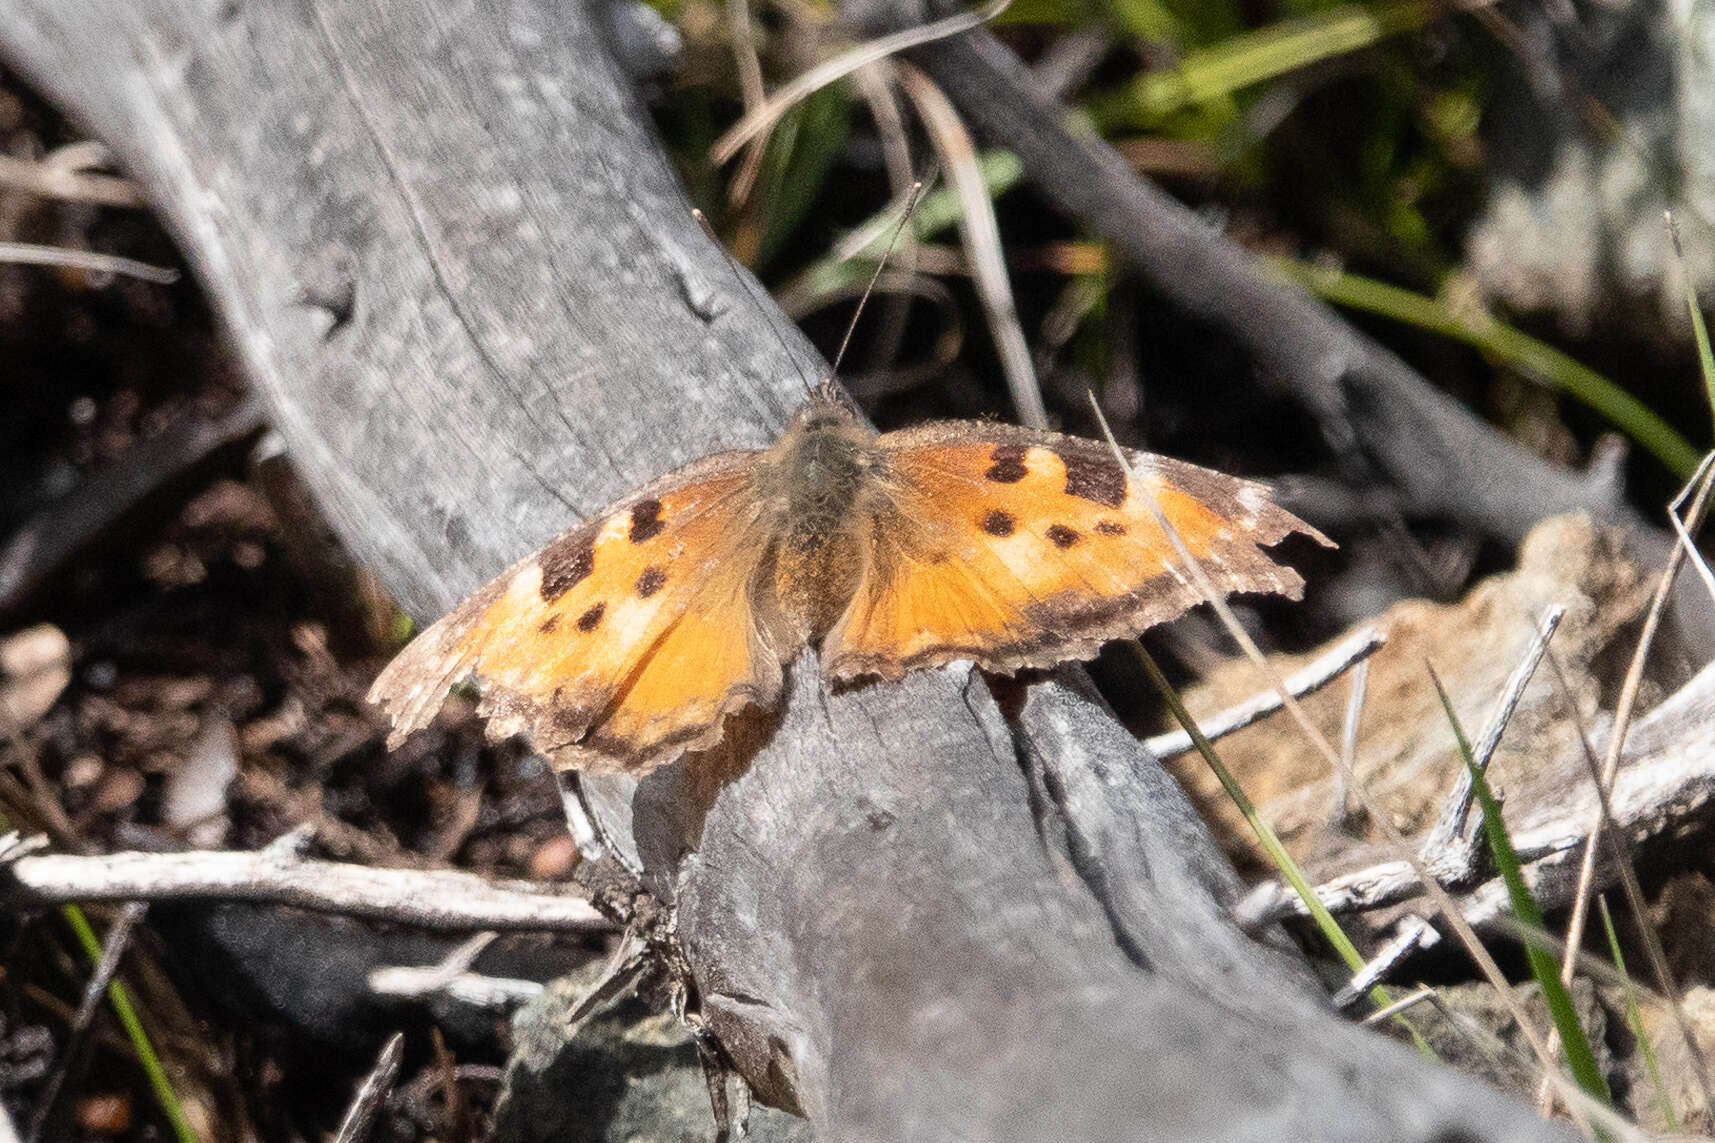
x: 628, y: 641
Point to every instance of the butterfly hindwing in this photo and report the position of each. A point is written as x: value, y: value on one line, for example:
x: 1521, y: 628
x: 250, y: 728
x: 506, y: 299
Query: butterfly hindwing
x: 1016, y: 548
x: 621, y: 644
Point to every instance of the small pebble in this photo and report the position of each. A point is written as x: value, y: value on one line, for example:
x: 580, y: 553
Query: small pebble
x: 554, y: 859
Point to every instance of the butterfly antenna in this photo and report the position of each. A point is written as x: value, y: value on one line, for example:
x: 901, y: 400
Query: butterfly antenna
x: 744, y: 283
x: 910, y: 208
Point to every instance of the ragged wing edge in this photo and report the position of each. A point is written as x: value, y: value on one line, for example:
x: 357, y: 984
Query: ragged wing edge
x: 414, y: 686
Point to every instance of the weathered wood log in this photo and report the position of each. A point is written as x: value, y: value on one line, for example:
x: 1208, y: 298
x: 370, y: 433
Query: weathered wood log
x: 461, y: 275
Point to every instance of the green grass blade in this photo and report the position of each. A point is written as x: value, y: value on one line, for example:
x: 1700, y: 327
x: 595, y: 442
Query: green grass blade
x: 1705, y: 359
x: 1507, y: 345
x: 811, y: 140
x: 120, y: 997
x: 1289, y: 869
x: 1579, y: 1058
x: 1635, y: 1020
x: 1218, y: 71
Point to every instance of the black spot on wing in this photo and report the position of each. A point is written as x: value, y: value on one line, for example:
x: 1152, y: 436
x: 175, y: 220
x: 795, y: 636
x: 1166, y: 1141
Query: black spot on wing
x: 1008, y: 466
x: 549, y: 624
x: 591, y: 619
x: 998, y: 523
x: 1094, y: 477
x: 650, y: 582
x: 1111, y: 528
x: 646, y: 521
x: 567, y: 562
x: 1062, y: 536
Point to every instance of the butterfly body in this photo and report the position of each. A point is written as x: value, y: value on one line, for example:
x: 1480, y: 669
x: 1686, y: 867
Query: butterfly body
x: 818, y: 477
x: 629, y: 640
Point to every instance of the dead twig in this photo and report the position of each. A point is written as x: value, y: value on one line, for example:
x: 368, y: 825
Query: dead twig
x: 1308, y: 679
x: 64, y: 174
x: 1449, y: 849
x: 488, y: 993
x: 439, y: 900
x: 1414, y: 933
x: 452, y: 980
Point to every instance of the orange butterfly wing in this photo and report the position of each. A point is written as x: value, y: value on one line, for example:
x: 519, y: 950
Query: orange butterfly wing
x: 1016, y: 548
x: 621, y: 644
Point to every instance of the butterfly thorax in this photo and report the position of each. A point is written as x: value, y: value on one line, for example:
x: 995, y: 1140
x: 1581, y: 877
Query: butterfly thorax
x: 821, y: 466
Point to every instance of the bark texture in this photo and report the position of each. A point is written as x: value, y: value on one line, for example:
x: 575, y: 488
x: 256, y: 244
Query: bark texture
x: 465, y: 283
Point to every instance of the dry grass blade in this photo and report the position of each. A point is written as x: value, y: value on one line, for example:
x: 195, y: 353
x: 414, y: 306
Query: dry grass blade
x: 878, y: 86
x: 1579, y: 1103
x: 1623, y: 711
x: 1683, y: 531
x: 1353, y: 650
x: 1620, y: 856
x: 875, y: 84
x: 1339, y: 806
x: 981, y: 235
x: 1381, y: 1015
x: 29, y: 254
x: 756, y: 122
x: 751, y: 89
x: 359, y: 1122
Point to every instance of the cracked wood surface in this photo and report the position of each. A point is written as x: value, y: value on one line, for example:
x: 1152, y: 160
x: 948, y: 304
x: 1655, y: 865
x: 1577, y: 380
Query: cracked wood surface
x: 461, y: 276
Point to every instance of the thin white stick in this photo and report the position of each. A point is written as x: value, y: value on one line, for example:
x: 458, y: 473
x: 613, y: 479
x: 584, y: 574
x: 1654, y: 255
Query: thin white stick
x: 1313, y: 676
x: 1414, y: 933
x: 62, y: 174
x: 444, y: 900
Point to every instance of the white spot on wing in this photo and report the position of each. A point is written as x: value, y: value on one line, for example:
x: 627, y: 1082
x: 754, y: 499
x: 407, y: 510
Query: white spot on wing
x: 628, y: 619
